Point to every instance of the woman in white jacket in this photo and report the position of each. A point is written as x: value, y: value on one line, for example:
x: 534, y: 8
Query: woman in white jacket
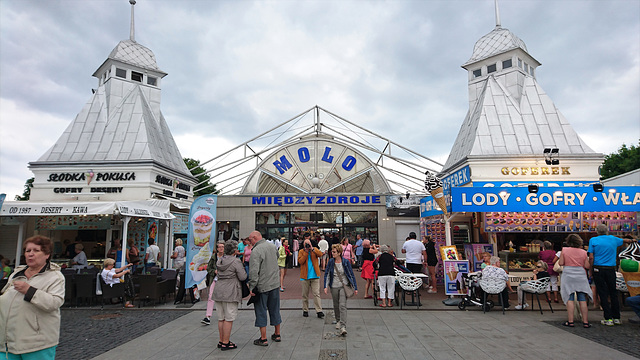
x: 30, y: 304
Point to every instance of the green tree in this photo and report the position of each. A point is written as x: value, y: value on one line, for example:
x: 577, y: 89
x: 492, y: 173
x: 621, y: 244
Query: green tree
x: 625, y: 160
x: 27, y: 190
x: 200, y: 173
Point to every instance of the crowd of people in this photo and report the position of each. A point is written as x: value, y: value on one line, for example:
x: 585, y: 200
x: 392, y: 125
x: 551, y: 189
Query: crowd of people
x: 256, y: 268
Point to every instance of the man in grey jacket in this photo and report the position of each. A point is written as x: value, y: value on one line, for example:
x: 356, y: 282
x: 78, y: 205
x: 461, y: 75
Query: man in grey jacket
x: 264, y: 278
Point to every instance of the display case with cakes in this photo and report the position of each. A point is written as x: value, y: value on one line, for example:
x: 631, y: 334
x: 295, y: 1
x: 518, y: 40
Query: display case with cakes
x: 519, y: 265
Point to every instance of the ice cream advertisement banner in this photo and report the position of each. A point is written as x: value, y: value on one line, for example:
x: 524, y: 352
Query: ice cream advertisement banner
x: 487, y: 199
x: 473, y: 252
x: 453, y: 282
x: 433, y: 185
x: 202, y: 224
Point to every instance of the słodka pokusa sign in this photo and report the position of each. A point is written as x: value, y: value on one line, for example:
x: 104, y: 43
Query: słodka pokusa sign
x: 474, y: 199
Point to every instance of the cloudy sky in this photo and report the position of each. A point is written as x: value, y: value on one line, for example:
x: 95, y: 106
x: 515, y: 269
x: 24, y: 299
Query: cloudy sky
x: 237, y: 68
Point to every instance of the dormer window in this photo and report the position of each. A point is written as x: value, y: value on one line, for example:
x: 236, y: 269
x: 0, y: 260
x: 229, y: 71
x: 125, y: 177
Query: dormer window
x: 152, y: 80
x: 477, y: 73
x: 506, y: 64
x: 491, y: 68
x: 121, y: 73
x: 136, y: 76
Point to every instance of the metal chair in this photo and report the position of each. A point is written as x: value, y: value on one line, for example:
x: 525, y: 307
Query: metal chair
x: 410, y: 285
x: 536, y: 287
x: 492, y: 286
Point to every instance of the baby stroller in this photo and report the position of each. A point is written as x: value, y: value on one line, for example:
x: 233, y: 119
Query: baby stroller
x: 474, y: 293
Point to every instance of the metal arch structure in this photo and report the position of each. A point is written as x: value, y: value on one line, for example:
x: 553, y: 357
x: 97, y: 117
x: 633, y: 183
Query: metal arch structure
x: 402, y: 168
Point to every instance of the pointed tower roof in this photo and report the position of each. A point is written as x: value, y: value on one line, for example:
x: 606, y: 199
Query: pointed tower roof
x: 496, y: 42
x: 509, y: 112
x: 122, y: 122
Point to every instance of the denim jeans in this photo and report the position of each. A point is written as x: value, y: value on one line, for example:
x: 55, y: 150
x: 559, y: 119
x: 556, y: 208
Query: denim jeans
x: 268, y: 302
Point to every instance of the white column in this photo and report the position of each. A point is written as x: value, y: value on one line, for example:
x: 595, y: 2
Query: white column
x: 125, y: 229
x: 20, y: 240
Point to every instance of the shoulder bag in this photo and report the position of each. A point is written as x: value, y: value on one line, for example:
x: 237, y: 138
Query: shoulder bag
x: 348, y: 290
x: 556, y: 267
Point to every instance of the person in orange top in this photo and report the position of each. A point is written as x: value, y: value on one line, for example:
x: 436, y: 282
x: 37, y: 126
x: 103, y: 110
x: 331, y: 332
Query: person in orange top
x: 308, y: 258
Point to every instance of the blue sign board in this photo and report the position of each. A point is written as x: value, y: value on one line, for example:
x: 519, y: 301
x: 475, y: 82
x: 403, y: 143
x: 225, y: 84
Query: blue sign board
x: 539, y: 183
x: 458, y: 178
x: 488, y: 199
x: 429, y: 207
x: 315, y: 200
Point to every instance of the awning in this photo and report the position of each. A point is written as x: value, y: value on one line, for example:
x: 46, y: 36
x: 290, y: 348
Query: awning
x: 145, y: 208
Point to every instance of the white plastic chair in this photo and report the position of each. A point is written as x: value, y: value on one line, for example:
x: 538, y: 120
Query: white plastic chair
x: 537, y: 287
x: 492, y: 286
x: 621, y: 285
x: 409, y: 284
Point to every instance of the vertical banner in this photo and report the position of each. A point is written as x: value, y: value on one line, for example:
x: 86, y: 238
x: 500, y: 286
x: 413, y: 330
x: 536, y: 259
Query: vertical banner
x: 453, y: 282
x: 473, y: 252
x: 200, y: 244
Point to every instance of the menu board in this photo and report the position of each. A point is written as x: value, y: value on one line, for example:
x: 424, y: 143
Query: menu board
x: 616, y: 221
x: 434, y: 226
x: 559, y: 221
x: 532, y: 221
x: 78, y: 222
x: 137, y: 231
x: 180, y: 223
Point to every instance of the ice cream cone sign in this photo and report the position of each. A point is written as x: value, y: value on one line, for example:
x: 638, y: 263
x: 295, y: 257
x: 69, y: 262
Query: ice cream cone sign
x: 434, y: 187
x: 90, y: 174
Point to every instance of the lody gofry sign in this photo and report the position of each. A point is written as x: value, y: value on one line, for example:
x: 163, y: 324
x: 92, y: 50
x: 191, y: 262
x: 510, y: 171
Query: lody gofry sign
x: 474, y: 199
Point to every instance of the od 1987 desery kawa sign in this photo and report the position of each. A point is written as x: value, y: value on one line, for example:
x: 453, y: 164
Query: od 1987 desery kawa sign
x: 620, y: 198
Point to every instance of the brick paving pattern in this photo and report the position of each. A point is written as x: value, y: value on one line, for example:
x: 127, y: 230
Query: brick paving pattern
x: 624, y: 338
x: 85, y: 333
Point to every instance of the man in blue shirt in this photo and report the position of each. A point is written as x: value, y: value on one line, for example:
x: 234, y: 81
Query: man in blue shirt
x: 603, y: 250
x: 359, y: 250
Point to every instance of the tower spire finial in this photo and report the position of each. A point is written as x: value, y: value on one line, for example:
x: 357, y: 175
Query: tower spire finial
x: 132, y: 32
x: 497, y: 14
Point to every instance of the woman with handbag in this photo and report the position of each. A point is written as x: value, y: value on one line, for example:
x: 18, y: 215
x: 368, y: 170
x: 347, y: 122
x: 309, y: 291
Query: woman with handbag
x: 342, y: 283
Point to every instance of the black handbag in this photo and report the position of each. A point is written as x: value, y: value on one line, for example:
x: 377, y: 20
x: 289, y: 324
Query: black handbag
x: 245, y: 289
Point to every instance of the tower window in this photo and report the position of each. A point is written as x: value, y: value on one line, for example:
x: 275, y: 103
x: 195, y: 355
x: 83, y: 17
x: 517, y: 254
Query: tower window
x: 477, y: 73
x: 491, y: 68
x: 526, y: 67
x: 152, y: 80
x: 531, y: 70
x: 136, y: 76
x: 506, y: 64
x: 519, y: 63
x: 121, y: 73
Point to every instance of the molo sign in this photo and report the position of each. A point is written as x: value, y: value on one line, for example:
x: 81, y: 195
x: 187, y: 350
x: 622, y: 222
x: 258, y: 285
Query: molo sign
x: 304, y: 155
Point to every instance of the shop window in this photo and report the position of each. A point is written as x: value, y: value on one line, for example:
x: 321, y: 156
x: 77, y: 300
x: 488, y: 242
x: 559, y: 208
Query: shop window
x: 152, y: 80
x: 272, y: 218
x: 361, y: 217
x: 301, y: 217
x: 477, y: 73
x: 136, y: 76
x: 491, y: 68
x: 507, y: 64
x: 121, y: 73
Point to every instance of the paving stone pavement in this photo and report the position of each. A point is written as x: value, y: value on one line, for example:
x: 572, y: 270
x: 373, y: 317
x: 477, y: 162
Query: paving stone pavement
x: 624, y: 338
x: 372, y: 334
x: 86, y: 333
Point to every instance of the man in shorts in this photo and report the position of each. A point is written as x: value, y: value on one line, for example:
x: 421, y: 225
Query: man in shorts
x: 264, y: 277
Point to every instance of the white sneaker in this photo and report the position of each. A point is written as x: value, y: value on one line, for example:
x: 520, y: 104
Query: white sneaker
x: 522, y: 307
x: 343, y: 331
x: 338, y: 325
x: 617, y: 322
x: 431, y: 291
x: 606, y: 322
